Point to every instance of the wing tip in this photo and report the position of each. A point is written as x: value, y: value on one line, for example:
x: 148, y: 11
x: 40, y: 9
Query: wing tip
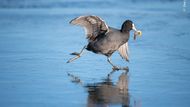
x: 75, y: 20
x: 72, y: 21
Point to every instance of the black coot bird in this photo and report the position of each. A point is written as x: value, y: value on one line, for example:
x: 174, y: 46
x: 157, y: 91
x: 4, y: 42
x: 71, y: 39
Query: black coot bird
x: 103, y: 39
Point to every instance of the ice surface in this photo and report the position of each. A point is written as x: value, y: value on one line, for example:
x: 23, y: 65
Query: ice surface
x: 36, y: 39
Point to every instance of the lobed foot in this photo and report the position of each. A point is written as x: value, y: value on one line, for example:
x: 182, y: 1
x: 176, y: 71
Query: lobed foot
x: 75, y: 53
x: 115, y: 68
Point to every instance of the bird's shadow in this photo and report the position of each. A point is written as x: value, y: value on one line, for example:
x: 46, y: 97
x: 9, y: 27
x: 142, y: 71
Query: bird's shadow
x: 106, y: 92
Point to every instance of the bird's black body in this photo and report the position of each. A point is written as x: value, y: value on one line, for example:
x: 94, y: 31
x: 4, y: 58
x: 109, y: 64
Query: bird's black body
x: 107, y: 44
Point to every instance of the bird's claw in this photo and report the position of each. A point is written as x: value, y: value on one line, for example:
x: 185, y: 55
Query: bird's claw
x: 68, y: 61
x: 75, y: 53
x: 115, y: 68
x: 125, y: 68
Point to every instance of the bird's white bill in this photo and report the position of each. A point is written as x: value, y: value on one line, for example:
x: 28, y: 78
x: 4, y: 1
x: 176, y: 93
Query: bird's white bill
x: 137, y: 32
x: 133, y: 27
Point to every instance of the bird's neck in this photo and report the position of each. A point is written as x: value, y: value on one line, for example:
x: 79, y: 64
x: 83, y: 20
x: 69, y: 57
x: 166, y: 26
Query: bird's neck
x: 125, y: 30
x: 125, y: 36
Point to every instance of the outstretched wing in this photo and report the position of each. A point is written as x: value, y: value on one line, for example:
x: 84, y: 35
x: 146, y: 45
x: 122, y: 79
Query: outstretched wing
x: 93, y: 25
x: 124, y: 51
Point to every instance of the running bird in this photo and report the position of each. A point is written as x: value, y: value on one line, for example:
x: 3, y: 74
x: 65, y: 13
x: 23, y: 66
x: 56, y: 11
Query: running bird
x: 103, y: 39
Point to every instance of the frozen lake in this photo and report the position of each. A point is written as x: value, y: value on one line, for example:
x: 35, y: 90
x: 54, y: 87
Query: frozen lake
x: 36, y: 40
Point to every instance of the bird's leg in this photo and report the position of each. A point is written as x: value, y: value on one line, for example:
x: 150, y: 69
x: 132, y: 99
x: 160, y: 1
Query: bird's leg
x: 116, y: 67
x: 77, y: 55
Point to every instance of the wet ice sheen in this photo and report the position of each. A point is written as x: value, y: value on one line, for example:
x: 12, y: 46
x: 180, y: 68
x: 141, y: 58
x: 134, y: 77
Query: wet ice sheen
x: 36, y: 39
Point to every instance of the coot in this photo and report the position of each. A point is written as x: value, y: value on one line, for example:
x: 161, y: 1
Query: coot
x: 103, y: 39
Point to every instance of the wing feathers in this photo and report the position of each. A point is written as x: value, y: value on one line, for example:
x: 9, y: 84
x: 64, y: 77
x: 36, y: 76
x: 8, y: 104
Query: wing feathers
x: 93, y: 25
x: 124, y: 51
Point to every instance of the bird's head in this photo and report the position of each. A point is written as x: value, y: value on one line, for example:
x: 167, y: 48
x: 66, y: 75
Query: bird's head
x: 129, y: 25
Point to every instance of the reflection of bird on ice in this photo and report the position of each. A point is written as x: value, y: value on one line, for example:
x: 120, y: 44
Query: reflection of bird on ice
x: 106, y: 92
x: 105, y: 40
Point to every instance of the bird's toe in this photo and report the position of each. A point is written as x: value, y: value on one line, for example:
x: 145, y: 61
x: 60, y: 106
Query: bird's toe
x: 115, y: 68
x: 126, y: 68
x: 75, y: 53
x: 68, y: 61
x: 127, y: 60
